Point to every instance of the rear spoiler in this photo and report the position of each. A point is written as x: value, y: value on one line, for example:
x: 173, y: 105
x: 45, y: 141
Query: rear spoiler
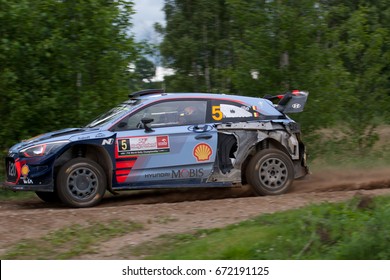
x: 290, y: 102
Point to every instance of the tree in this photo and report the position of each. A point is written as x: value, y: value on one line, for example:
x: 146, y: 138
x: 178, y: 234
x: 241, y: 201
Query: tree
x: 143, y: 72
x: 358, y: 33
x: 250, y: 48
x: 196, y: 45
x: 62, y: 63
x: 336, y: 50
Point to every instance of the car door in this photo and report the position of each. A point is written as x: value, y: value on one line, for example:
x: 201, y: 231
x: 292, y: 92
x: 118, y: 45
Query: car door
x: 178, y: 148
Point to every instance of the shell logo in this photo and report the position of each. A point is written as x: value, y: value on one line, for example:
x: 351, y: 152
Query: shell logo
x: 25, y: 170
x: 202, y: 152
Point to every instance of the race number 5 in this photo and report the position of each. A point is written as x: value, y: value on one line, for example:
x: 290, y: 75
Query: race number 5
x: 216, y: 113
x: 124, y: 145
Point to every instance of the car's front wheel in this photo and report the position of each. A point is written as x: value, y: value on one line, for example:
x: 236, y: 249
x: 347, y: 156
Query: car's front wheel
x: 81, y: 182
x: 270, y: 172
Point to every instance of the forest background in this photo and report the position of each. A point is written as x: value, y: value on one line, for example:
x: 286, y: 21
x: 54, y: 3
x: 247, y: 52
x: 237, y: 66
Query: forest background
x: 63, y: 62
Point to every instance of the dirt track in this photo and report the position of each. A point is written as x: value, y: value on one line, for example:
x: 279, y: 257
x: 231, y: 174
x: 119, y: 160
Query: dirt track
x: 163, y: 212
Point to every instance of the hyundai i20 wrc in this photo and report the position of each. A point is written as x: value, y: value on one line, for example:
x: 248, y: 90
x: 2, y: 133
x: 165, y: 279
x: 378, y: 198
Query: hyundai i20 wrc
x: 166, y: 140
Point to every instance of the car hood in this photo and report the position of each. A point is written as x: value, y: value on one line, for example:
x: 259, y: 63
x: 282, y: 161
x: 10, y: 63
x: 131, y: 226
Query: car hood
x: 58, y: 135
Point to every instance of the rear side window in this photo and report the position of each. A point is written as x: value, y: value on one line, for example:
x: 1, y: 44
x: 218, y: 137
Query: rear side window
x: 230, y: 111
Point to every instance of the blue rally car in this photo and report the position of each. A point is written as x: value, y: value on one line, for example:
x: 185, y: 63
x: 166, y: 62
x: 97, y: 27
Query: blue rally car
x: 166, y: 140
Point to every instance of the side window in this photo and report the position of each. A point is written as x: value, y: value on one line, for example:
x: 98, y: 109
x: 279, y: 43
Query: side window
x: 169, y: 113
x: 229, y: 111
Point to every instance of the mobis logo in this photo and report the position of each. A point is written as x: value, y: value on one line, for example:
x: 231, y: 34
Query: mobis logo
x: 187, y: 173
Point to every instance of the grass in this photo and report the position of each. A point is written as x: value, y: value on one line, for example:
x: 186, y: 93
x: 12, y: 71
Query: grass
x: 330, y: 147
x: 346, y: 159
x: 358, y: 229
x: 70, y: 242
x: 11, y: 195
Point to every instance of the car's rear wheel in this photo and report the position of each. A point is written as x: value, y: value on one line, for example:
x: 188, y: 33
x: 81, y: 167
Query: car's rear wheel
x: 81, y: 182
x: 270, y: 172
x: 50, y: 197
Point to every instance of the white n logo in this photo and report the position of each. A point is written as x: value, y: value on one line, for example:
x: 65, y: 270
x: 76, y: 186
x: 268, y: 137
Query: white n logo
x: 108, y: 141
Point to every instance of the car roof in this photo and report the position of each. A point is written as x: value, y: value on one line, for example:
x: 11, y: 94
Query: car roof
x: 197, y: 95
x: 160, y: 93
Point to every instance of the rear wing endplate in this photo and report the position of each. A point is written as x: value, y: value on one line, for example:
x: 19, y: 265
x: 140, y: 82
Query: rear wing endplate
x: 290, y: 102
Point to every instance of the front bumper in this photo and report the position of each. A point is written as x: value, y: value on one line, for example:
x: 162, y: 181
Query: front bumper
x: 36, y: 188
x: 29, y: 174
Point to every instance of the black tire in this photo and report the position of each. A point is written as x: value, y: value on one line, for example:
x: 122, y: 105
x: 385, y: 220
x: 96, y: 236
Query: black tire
x: 81, y: 182
x: 50, y: 197
x: 270, y: 172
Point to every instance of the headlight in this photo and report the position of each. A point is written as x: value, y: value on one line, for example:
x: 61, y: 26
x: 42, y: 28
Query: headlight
x: 42, y: 149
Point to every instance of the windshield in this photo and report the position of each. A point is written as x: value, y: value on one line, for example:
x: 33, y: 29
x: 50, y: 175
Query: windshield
x: 114, y: 113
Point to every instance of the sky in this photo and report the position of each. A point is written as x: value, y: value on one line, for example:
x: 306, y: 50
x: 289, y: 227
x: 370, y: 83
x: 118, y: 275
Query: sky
x: 147, y: 13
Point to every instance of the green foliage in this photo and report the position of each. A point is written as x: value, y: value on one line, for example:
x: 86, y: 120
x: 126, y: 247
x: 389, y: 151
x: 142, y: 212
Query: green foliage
x: 337, y: 50
x: 10, y: 195
x: 356, y: 229
x: 143, y: 71
x: 70, y: 242
x: 335, y: 147
x: 360, y: 41
x: 62, y: 63
x: 197, y: 45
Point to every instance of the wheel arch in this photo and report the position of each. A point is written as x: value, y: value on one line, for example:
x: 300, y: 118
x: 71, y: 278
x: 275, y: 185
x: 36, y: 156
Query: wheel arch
x: 267, y: 143
x: 90, y: 151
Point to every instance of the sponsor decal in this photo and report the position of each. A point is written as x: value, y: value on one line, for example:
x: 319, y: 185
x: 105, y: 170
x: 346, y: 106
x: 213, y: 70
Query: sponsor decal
x: 12, y: 169
x: 202, y: 152
x: 83, y: 137
x: 143, y: 145
x: 162, y: 142
x: 27, y: 181
x: 25, y: 170
x: 123, y: 168
x: 187, y: 173
x: 177, y: 174
x: 296, y: 105
x: 157, y: 175
x: 232, y: 111
x: 108, y: 141
x: 256, y: 114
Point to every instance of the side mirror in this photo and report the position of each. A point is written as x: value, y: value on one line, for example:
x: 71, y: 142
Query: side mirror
x: 146, y: 124
x: 122, y: 124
